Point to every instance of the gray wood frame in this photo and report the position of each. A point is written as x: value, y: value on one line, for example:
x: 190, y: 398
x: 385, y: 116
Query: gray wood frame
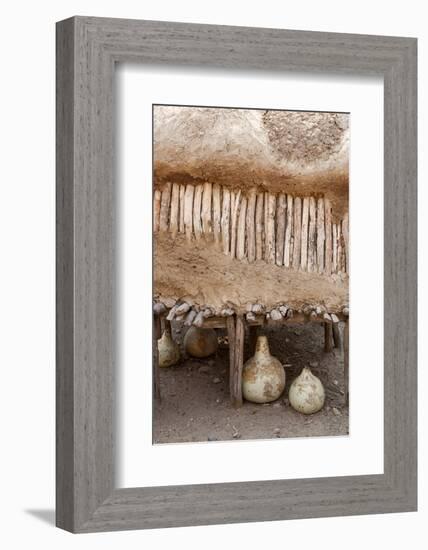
x: 87, y: 50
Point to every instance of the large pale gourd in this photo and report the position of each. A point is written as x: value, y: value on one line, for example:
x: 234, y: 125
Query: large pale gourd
x: 306, y: 393
x: 263, y: 376
x: 169, y: 351
x: 200, y: 342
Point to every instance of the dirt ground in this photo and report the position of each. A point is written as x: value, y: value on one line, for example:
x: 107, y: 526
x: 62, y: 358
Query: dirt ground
x: 195, y: 397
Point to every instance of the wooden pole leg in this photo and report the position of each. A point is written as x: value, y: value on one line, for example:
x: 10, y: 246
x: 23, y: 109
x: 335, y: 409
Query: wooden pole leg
x: 328, y: 337
x: 236, y: 360
x: 346, y: 360
x: 336, y: 336
x: 156, y: 334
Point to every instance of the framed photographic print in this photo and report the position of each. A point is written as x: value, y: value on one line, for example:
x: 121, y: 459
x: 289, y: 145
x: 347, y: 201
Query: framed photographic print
x: 236, y: 274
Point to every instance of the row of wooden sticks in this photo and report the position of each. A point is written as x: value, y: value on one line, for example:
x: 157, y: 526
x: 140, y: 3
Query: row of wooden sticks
x: 282, y: 229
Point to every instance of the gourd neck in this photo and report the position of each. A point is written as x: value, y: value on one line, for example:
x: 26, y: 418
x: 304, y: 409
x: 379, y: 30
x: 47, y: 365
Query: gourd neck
x: 262, y: 347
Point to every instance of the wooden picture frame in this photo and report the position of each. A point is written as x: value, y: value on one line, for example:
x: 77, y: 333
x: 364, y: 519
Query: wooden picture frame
x: 87, y: 50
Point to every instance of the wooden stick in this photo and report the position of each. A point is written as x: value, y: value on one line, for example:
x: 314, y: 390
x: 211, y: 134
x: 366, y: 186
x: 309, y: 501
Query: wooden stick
x: 297, y: 233
x: 230, y: 325
x: 188, y: 210
x: 207, y: 223
x: 238, y: 361
x: 328, y: 337
x: 155, y: 361
x: 339, y: 248
x: 217, y: 212
x: 225, y: 221
x: 236, y: 197
x: 164, y: 209
x: 334, y: 247
x: 281, y: 213
x: 346, y: 360
x: 156, y: 209
x: 312, y: 245
x: 288, y: 232
x: 259, y: 227
x: 197, y: 204
x: 181, y: 217
x: 265, y: 225
x: 336, y: 335
x: 345, y: 231
x: 305, y: 221
x: 328, y: 237
x: 270, y: 229
x: 320, y: 235
x: 240, y: 239
x: 175, y: 209
x: 250, y: 223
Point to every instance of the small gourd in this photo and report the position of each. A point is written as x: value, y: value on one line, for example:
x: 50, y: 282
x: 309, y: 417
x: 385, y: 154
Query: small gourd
x: 169, y: 351
x: 263, y: 376
x: 200, y: 342
x: 306, y: 393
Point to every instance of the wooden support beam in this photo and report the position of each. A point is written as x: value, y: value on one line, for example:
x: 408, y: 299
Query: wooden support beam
x: 328, y: 337
x: 336, y: 335
x: 346, y: 360
x: 155, y: 361
x: 156, y: 209
x: 230, y: 325
x: 238, y: 363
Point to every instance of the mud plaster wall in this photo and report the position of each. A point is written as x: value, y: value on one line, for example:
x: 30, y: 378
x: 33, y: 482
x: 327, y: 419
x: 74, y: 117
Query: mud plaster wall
x: 303, y: 153
x: 274, y: 154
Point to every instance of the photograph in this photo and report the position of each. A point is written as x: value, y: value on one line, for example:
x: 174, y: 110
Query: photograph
x: 250, y: 273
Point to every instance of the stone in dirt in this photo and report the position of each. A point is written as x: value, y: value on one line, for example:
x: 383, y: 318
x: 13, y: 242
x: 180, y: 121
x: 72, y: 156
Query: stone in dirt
x: 204, y: 370
x: 336, y: 411
x: 313, y: 364
x: 216, y: 380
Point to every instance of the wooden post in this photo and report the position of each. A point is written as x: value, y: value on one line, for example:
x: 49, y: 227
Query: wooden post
x: 346, y: 360
x: 207, y: 223
x: 240, y: 236
x: 304, y: 237
x: 235, y: 199
x: 259, y: 226
x: 230, y: 325
x: 238, y: 363
x: 288, y: 253
x: 328, y: 237
x: 217, y: 212
x: 297, y: 232
x: 197, y: 204
x: 188, y: 211
x: 320, y: 235
x: 281, y: 213
x: 251, y: 230
x: 328, y: 337
x: 156, y: 209
x: 345, y: 231
x: 336, y: 335
x: 155, y: 363
x: 312, y: 244
x: 164, y: 209
x: 270, y: 208
x: 181, y: 215
x: 175, y: 209
x: 225, y: 221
